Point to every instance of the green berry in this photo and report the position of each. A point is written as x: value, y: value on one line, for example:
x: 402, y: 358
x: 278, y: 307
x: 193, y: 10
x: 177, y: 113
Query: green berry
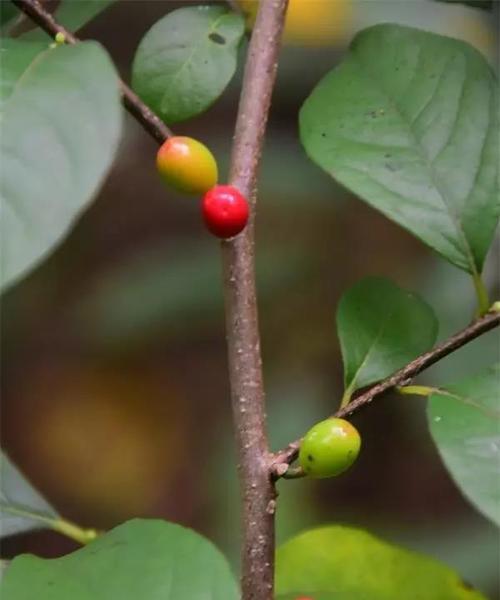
x: 495, y: 307
x: 187, y: 165
x: 329, y: 448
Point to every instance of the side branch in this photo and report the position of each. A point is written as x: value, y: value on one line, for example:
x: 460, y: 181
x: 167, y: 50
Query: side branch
x: 400, y: 378
x: 142, y: 113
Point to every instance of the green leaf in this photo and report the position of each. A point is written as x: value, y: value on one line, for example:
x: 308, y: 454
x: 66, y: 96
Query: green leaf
x: 409, y: 123
x: 8, y: 12
x: 16, y: 58
x: 4, y: 565
x: 185, y: 61
x: 146, y: 559
x: 73, y: 15
x: 60, y: 131
x: 381, y: 328
x: 21, y: 507
x: 464, y: 420
x: 352, y: 564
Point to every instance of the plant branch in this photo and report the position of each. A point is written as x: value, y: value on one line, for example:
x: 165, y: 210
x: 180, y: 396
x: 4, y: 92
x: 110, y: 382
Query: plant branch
x: 400, y: 378
x: 245, y: 365
x: 142, y: 113
x: 247, y: 390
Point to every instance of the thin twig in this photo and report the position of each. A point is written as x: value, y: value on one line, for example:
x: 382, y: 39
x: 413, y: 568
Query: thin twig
x: 402, y: 377
x: 142, y: 113
x: 245, y: 368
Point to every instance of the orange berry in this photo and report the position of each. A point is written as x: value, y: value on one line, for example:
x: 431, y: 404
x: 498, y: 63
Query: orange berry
x: 187, y: 165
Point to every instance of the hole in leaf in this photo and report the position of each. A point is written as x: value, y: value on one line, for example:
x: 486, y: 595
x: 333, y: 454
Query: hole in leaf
x: 216, y: 38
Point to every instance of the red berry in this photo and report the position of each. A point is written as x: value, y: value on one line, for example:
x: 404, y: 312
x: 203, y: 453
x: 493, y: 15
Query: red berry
x: 225, y: 211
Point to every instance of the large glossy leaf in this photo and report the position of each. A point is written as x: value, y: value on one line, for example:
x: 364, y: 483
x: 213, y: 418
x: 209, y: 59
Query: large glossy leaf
x: 465, y: 424
x: 72, y: 14
x: 60, y: 130
x: 352, y: 564
x: 381, y: 327
x: 16, y: 57
x: 21, y: 507
x: 153, y: 560
x: 185, y: 61
x: 409, y: 122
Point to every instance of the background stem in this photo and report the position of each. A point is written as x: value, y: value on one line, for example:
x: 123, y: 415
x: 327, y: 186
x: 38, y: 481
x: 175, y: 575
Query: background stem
x: 245, y: 368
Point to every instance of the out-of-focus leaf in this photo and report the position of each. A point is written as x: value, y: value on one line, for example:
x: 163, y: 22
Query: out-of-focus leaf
x: 16, y: 57
x: 381, y: 328
x: 3, y: 567
x: 21, y: 507
x: 172, y: 292
x: 408, y: 121
x: 185, y: 61
x: 139, y: 559
x: 8, y: 12
x: 352, y: 563
x: 73, y: 15
x: 465, y: 424
x: 469, y: 546
x: 60, y: 131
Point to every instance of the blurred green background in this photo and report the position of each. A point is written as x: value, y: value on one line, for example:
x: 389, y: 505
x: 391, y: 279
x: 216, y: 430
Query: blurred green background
x: 115, y: 399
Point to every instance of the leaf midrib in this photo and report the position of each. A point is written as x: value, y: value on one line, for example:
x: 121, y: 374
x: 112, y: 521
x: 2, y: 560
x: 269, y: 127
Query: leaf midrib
x: 27, y: 71
x: 467, y: 401
x: 352, y: 386
x: 195, y: 50
x: 420, y: 150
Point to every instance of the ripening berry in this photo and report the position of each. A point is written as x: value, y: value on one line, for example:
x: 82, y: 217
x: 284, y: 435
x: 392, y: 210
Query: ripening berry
x: 329, y: 448
x: 187, y: 165
x: 225, y: 211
